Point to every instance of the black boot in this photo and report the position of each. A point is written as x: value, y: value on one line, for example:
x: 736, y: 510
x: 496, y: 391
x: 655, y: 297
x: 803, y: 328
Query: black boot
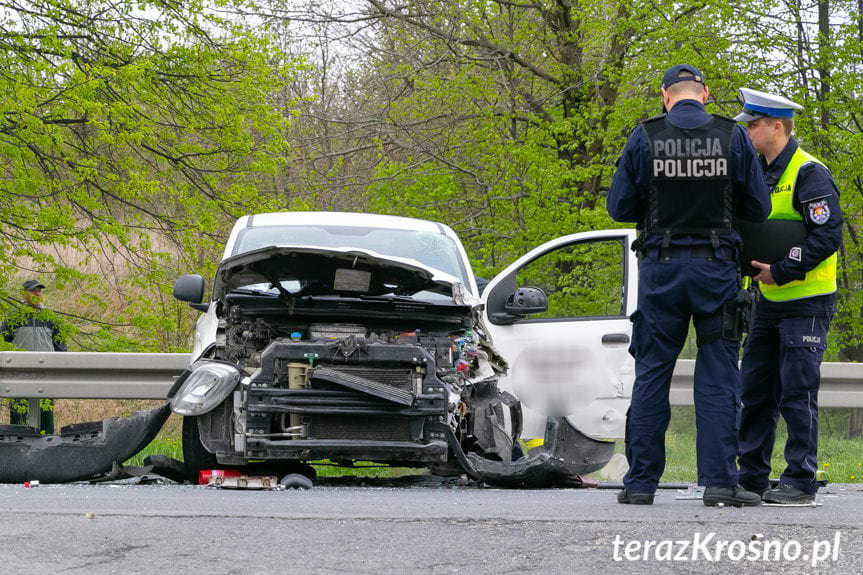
x: 732, y: 496
x: 787, y: 495
x: 635, y: 498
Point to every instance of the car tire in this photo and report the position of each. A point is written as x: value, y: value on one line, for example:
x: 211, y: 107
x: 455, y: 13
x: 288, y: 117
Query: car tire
x: 195, y: 457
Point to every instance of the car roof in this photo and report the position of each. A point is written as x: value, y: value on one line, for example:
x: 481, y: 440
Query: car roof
x: 343, y: 219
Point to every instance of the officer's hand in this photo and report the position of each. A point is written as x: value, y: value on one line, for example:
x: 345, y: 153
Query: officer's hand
x: 764, y: 275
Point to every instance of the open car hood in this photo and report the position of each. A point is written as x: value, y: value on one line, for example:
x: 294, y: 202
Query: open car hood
x: 334, y: 271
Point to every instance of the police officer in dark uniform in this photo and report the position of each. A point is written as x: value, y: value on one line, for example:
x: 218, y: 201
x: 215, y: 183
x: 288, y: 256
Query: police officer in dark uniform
x: 781, y: 369
x: 685, y: 177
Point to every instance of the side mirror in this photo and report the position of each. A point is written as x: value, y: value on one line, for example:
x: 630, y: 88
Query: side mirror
x: 525, y: 301
x: 189, y: 288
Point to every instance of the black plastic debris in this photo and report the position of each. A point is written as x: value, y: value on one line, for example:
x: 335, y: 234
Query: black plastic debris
x: 79, y: 452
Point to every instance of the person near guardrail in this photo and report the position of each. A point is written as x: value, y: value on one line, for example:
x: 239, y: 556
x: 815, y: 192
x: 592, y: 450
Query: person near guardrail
x: 781, y: 367
x: 685, y: 176
x: 31, y: 328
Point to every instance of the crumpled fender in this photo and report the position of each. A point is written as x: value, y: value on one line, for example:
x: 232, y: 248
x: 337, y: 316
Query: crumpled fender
x: 565, y: 453
x: 80, y: 451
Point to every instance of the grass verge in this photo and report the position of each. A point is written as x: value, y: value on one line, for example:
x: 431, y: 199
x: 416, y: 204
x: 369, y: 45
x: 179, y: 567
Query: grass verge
x: 840, y: 458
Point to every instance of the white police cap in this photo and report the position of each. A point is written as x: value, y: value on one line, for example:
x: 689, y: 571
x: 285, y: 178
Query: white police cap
x: 763, y: 105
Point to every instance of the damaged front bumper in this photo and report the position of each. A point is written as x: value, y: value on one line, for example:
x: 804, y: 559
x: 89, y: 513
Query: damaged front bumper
x: 79, y: 452
x: 565, y: 454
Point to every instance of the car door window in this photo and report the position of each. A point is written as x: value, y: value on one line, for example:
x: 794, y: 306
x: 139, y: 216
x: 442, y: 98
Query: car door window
x: 582, y: 280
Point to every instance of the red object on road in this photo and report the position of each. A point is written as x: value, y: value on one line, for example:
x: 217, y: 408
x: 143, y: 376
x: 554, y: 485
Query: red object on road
x: 207, y: 475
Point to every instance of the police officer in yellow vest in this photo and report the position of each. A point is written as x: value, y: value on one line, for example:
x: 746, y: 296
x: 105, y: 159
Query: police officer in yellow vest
x: 780, y: 373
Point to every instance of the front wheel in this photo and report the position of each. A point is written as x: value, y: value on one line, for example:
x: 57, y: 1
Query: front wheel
x: 195, y: 456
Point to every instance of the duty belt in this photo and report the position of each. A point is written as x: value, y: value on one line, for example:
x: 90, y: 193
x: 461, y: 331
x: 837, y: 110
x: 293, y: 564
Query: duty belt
x: 709, y: 252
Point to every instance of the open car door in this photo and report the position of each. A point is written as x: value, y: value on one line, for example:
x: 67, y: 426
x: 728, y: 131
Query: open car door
x: 571, y: 360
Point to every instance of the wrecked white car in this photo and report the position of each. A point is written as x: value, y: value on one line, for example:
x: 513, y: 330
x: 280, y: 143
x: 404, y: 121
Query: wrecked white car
x: 352, y: 337
x: 356, y: 337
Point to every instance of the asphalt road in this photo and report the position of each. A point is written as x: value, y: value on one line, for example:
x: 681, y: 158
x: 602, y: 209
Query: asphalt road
x: 100, y: 529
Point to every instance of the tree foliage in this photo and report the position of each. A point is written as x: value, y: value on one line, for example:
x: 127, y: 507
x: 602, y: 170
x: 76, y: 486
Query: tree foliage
x: 504, y: 119
x: 134, y: 132
x: 130, y: 132
x: 812, y: 52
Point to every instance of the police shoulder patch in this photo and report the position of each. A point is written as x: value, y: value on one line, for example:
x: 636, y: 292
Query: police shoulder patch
x: 819, y: 212
x: 796, y: 254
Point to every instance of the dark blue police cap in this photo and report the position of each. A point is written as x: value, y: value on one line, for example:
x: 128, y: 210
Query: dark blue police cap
x: 672, y: 75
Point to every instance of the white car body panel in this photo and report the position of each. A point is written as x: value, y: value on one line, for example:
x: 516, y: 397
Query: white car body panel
x: 562, y: 366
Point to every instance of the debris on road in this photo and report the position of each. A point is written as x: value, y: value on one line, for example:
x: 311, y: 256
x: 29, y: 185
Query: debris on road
x: 209, y: 476
x: 246, y: 482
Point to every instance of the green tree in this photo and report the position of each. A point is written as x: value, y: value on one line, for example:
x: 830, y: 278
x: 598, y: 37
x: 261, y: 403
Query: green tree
x: 508, y: 116
x: 131, y: 133
x: 812, y: 52
x: 504, y: 118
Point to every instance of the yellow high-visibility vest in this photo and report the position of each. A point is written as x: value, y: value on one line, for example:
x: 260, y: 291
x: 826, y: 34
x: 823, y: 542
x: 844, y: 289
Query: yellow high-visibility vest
x: 818, y: 281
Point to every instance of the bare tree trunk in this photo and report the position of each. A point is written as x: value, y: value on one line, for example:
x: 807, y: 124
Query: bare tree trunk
x: 824, y: 61
x: 802, y: 42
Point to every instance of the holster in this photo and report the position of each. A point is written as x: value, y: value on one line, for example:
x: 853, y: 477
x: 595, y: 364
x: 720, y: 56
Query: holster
x: 638, y: 246
x: 737, y: 315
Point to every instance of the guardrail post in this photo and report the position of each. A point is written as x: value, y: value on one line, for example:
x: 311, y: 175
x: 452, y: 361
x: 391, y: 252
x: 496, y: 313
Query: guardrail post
x: 34, y: 414
x: 855, y: 423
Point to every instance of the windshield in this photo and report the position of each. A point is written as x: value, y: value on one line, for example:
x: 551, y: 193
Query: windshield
x: 432, y: 249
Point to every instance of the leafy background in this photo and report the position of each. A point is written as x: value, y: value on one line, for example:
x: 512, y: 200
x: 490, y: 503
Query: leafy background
x: 132, y: 134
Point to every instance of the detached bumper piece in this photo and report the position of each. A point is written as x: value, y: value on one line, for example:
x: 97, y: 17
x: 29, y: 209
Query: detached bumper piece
x: 79, y: 452
x: 565, y: 454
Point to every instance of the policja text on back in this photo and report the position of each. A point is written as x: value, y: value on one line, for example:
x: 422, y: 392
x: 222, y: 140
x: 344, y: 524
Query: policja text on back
x: 689, y: 158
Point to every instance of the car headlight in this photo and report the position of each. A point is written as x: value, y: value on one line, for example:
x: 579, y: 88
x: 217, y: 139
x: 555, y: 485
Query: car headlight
x: 206, y: 387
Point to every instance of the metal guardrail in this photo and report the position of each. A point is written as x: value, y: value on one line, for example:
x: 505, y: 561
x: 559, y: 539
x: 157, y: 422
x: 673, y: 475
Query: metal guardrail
x: 841, y: 384
x: 89, y: 375
x: 150, y: 375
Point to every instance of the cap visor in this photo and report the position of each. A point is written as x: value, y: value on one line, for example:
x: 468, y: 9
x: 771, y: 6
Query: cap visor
x: 746, y: 117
